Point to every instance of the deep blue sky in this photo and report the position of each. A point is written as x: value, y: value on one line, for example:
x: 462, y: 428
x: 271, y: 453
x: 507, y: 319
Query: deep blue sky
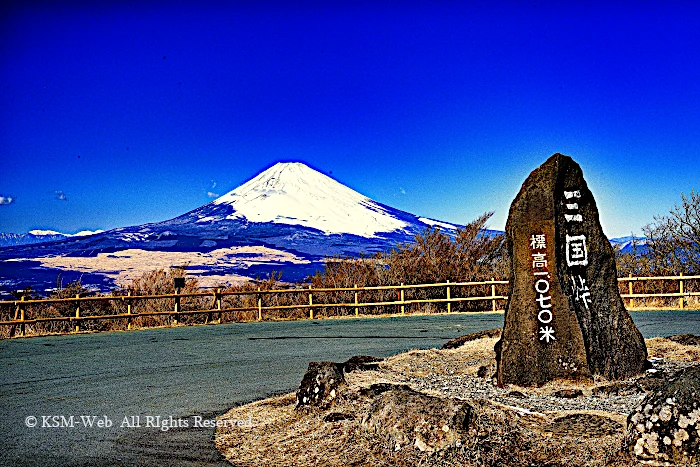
x: 137, y: 112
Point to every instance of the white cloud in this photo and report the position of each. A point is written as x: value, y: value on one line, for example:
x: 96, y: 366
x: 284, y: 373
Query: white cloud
x: 213, y: 183
x: 212, y: 195
x: 61, y: 195
x: 403, y: 192
x: 6, y: 200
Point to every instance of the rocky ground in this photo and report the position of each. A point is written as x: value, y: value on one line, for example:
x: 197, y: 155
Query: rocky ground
x: 442, y: 407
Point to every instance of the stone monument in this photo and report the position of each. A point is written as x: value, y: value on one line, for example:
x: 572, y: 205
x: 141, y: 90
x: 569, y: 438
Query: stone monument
x: 565, y: 317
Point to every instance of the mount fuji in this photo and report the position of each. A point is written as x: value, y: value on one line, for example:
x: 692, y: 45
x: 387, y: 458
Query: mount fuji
x: 324, y: 215
x: 290, y: 217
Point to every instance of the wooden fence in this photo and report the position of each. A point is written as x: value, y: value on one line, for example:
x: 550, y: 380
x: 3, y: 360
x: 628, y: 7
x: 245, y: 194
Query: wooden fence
x: 217, y: 306
x: 263, y: 309
x: 683, y: 294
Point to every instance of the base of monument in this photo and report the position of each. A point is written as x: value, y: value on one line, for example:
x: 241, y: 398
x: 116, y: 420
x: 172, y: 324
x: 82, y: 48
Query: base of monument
x: 435, y: 407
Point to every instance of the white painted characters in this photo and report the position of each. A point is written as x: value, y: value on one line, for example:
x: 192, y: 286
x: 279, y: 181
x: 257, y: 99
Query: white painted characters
x: 539, y: 261
x: 576, y: 250
x: 580, y: 290
x: 544, y: 298
x: 547, y: 333
x: 572, y: 216
x: 538, y: 242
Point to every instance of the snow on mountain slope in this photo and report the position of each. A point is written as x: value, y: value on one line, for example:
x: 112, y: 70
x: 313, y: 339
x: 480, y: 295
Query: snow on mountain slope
x: 82, y: 233
x: 295, y: 194
x: 435, y: 223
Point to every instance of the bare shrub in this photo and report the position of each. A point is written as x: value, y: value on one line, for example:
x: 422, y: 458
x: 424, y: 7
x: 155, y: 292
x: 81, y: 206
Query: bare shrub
x: 473, y: 255
x: 161, y: 282
x: 247, y: 296
x: 674, y: 239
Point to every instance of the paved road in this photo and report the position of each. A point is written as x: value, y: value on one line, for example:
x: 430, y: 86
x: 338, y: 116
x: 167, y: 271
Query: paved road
x: 187, y: 372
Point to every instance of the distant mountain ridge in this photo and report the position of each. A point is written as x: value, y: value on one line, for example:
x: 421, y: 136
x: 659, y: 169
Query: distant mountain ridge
x: 39, y: 236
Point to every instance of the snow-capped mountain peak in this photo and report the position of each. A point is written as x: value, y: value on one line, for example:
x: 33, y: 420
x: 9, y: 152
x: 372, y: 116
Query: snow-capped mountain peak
x: 294, y: 193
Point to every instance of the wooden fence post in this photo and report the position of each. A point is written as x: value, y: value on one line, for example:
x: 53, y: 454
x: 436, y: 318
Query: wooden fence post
x: 681, y: 304
x: 311, y: 302
x: 357, y: 309
x: 177, y: 306
x: 218, y: 304
x: 77, y: 315
x: 19, y: 316
x: 22, y: 327
x: 449, y: 304
x: 403, y: 297
x: 493, y: 295
x: 630, y: 292
x: 128, y: 311
x: 259, y: 305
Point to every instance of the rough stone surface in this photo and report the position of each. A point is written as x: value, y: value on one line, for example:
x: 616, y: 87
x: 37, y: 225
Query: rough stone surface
x: 619, y: 388
x: 321, y: 384
x: 583, y: 425
x: 411, y: 418
x: 362, y: 363
x: 568, y: 393
x: 461, y: 340
x: 666, y: 425
x: 564, y: 318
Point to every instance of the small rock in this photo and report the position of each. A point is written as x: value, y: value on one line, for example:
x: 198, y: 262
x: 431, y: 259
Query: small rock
x: 337, y: 417
x: 320, y: 382
x: 568, y: 393
x: 379, y: 388
x: 617, y: 389
x: 362, y: 363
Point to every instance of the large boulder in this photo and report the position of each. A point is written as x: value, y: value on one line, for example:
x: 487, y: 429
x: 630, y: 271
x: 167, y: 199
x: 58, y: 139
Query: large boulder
x: 666, y: 426
x: 564, y: 317
x: 412, y: 418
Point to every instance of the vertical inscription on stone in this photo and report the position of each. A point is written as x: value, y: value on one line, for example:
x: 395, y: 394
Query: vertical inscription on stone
x: 538, y: 245
x: 576, y: 249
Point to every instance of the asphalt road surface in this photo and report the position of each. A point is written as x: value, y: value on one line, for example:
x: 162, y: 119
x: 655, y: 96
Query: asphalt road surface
x: 127, y: 392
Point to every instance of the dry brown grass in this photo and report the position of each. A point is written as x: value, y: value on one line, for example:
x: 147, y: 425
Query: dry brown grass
x: 658, y: 347
x: 466, y: 359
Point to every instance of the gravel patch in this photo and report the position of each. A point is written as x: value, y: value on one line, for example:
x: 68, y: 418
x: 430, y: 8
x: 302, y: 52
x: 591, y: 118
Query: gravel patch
x: 543, y: 400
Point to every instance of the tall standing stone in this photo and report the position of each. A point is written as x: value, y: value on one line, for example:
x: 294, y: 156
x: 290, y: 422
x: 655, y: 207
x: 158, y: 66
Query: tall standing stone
x: 565, y: 317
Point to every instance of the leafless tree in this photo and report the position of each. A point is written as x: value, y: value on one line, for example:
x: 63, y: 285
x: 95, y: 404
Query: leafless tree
x: 674, y: 239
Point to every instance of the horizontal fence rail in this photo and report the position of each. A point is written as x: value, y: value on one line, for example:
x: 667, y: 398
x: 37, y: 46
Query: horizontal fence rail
x: 683, y: 294
x: 259, y: 301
